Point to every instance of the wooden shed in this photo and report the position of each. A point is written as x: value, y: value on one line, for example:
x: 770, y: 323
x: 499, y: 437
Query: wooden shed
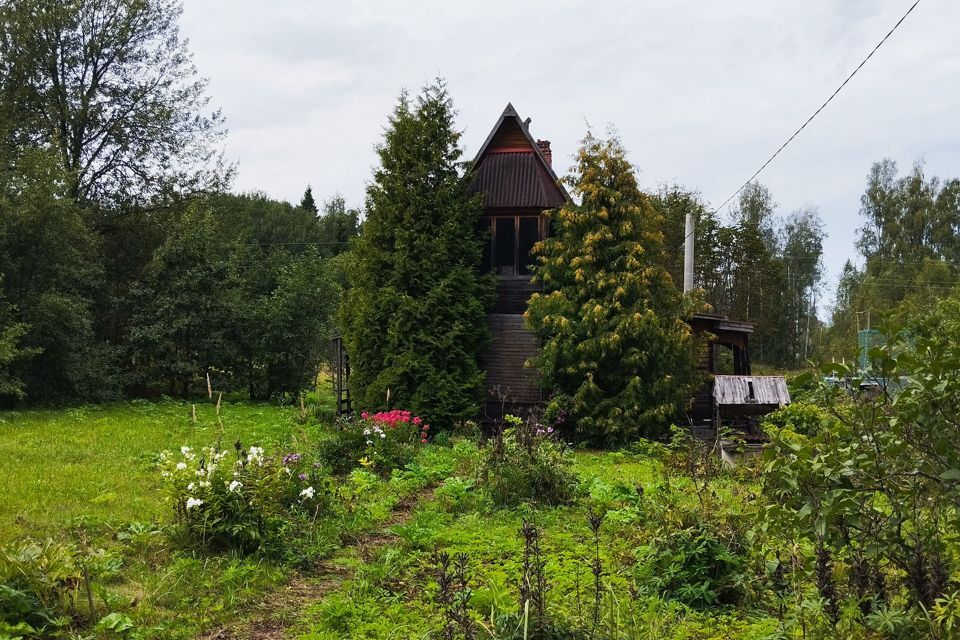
x: 514, y: 173
x: 731, y: 395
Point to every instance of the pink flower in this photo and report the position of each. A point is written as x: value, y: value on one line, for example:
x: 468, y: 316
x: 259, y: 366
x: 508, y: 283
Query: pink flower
x: 423, y: 441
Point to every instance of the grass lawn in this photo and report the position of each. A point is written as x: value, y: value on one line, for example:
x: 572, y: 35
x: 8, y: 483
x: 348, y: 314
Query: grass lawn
x: 97, y: 462
x: 89, y: 473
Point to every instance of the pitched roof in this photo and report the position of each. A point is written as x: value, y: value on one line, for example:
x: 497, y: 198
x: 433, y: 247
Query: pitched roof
x: 511, y: 170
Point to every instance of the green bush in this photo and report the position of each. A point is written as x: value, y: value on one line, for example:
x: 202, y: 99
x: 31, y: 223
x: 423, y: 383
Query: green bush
x: 40, y: 584
x: 799, y: 417
x: 381, y: 442
x: 524, y: 463
x: 240, y: 502
x: 692, y: 566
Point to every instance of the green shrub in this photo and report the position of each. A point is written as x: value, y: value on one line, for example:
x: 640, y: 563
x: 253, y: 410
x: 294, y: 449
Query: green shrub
x: 692, y: 566
x: 380, y: 441
x: 524, y: 463
x: 240, y: 502
x: 40, y: 584
x: 799, y: 417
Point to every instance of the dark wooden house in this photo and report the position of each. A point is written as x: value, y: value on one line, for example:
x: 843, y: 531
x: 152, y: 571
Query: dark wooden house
x: 514, y: 173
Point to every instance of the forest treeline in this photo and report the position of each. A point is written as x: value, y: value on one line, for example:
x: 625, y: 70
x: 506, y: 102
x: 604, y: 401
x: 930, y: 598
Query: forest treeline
x: 127, y: 266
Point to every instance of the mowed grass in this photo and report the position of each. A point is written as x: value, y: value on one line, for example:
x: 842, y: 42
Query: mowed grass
x: 97, y: 463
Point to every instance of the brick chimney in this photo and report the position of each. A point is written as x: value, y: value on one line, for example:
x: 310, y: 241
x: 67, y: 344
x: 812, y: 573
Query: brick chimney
x: 544, y: 146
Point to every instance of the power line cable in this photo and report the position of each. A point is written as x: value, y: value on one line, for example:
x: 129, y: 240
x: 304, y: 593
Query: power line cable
x: 822, y: 107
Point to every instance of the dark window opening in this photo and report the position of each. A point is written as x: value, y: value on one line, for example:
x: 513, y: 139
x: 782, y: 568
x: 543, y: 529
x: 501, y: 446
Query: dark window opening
x: 510, y: 245
x: 505, y: 242
x: 528, y: 236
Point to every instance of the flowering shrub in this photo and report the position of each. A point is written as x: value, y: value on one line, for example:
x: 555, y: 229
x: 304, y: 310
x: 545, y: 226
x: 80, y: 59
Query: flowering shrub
x: 378, y: 441
x: 239, y: 500
x: 526, y: 463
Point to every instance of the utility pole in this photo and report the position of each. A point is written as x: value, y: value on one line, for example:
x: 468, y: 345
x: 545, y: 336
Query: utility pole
x: 688, y: 253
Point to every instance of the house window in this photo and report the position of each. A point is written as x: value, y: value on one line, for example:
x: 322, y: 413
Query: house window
x: 509, y: 254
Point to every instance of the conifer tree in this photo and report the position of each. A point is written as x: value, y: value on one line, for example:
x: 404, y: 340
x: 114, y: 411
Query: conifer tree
x: 610, y: 317
x: 307, y: 203
x: 414, y: 316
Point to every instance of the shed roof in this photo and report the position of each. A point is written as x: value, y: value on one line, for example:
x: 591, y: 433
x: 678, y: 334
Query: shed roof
x: 751, y: 390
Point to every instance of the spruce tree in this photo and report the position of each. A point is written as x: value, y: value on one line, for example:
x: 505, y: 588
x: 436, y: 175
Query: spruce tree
x: 414, y: 316
x: 307, y: 203
x: 610, y: 318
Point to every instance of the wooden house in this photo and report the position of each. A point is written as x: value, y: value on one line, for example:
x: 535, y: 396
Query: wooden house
x: 514, y: 173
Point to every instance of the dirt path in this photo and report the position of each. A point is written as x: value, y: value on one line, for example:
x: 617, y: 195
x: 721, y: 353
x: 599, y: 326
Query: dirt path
x: 280, y: 610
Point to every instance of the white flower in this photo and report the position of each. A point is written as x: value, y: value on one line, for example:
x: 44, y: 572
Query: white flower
x: 200, y: 473
x: 255, y: 455
x: 366, y: 432
x: 193, y: 502
x: 307, y: 493
x: 234, y: 486
x: 185, y: 450
x: 383, y: 435
x: 204, y: 484
x: 369, y: 441
x: 191, y: 486
x: 181, y: 466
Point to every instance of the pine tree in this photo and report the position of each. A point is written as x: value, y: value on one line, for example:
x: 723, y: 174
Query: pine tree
x: 307, y: 203
x: 414, y: 316
x: 610, y: 316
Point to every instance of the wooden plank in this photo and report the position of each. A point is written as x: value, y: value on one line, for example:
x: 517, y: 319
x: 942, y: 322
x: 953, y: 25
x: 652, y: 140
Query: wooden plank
x: 742, y: 390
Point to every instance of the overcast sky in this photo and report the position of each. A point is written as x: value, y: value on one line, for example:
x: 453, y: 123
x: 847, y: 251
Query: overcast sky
x: 701, y: 92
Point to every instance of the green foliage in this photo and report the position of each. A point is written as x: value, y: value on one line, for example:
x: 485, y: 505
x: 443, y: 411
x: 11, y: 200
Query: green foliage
x: 50, y: 273
x: 692, y: 566
x: 128, y: 118
x: 39, y: 583
x: 11, y: 332
x: 910, y: 250
x: 382, y: 442
x: 524, y: 463
x: 801, y: 418
x: 610, y: 316
x: 254, y: 320
x: 239, y: 502
x: 413, y: 318
x: 875, y: 490
x: 756, y: 267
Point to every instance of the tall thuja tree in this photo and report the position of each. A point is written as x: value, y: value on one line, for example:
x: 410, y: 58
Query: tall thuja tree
x: 610, y: 318
x: 414, y: 316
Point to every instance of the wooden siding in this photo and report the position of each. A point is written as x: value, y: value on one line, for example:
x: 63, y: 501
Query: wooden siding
x: 510, y: 136
x: 511, y: 345
x: 735, y: 390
